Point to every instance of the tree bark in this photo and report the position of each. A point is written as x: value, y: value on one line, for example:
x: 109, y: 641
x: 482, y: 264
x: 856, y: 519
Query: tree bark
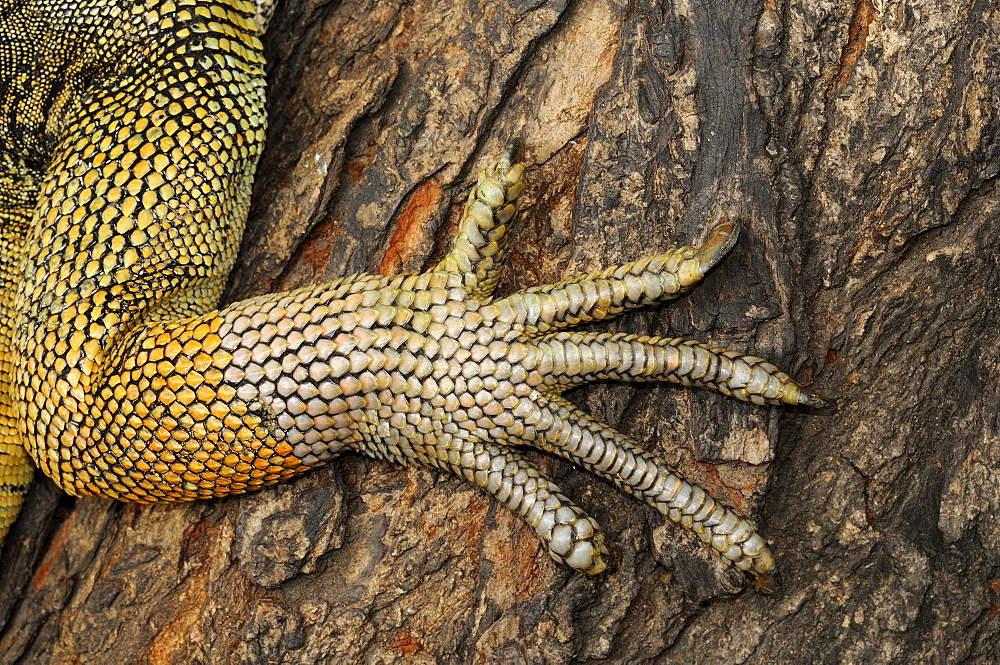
x: 856, y: 142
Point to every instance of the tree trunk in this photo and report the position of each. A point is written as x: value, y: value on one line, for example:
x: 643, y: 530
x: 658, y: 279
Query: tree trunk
x: 856, y: 142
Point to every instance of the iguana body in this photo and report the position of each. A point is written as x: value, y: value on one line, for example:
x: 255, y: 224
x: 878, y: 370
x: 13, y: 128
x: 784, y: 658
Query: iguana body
x: 129, y: 134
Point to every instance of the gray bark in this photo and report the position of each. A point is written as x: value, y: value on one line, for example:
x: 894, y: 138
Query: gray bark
x: 857, y: 143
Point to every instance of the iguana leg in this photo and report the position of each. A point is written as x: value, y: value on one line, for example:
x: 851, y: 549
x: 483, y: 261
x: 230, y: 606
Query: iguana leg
x: 127, y: 383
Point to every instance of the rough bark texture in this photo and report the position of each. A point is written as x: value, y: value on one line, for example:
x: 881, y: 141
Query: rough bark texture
x: 858, y: 143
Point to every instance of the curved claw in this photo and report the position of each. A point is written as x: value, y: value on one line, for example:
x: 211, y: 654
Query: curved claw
x: 767, y: 583
x: 811, y: 399
x: 722, y: 239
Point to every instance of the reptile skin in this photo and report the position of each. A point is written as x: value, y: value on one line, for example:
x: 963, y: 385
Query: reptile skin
x: 129, y: 134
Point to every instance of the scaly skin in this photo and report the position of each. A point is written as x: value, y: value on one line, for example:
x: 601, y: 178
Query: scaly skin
x: 128, y: 139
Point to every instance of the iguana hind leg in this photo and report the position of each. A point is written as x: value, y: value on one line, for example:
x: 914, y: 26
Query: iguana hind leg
x: 126, y: 382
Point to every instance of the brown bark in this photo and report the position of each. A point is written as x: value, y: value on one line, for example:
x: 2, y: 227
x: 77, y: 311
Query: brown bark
x: 858, y: 144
